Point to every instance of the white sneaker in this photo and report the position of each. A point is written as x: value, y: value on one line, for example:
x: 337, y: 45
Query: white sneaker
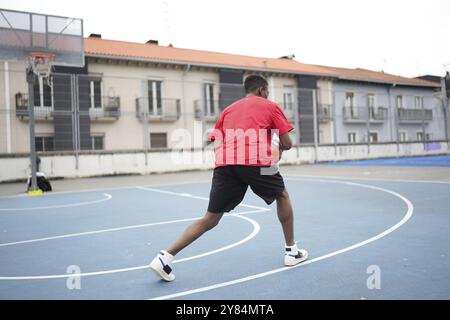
x: 293, y: 255
x: 161, y: 266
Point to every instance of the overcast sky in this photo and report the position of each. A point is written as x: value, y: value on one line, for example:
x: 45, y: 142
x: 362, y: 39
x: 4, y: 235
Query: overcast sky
x: 404, y: 37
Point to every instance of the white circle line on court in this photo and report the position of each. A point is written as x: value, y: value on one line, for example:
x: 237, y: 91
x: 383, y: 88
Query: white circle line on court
x: 76, y: 204
x: 367, y: 179
x: 255, y: 231
x: 55, y: 193
x: 406, y: 217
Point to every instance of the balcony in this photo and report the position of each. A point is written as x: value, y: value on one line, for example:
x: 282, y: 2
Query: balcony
x: 109, y: 112
x: 362, y: 114
x: 414, y: 115
x: 159, y: 110
x: 210, y: 116
x: 42, y: 113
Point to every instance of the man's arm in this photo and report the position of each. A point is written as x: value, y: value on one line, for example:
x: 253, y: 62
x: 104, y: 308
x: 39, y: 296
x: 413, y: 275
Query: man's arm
x: 285, y: 141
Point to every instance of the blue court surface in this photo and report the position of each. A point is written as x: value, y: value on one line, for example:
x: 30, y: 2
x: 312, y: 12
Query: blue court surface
x: 426, y: 161
x: 367, y: 239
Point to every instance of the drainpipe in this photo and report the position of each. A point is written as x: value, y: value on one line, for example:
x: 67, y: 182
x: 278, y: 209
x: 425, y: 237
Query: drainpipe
x: 8, y: 108
x: 184, y: 113
x: 446, y: 109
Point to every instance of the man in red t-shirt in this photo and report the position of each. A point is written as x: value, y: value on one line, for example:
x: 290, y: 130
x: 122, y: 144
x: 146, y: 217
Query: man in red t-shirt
x: 243, y: 151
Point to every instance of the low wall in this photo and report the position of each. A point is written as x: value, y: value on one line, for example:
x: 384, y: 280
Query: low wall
x: 14, y: 168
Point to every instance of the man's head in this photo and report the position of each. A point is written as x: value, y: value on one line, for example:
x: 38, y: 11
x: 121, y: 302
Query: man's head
x: 256, y: 85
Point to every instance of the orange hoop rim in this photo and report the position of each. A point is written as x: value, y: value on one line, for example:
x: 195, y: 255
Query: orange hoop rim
x: 48, y: 56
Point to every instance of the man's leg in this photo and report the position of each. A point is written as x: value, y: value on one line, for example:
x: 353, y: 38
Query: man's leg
x: 195, y: 230
x: 286, y: 217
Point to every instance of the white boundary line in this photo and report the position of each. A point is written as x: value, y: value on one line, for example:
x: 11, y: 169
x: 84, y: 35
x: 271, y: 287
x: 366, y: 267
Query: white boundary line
x: 365, y: 179
x: 106, y: 189
x: 405, y: 218
x: 255, y: 231
x: 71, y: 235
x: 77, y: 204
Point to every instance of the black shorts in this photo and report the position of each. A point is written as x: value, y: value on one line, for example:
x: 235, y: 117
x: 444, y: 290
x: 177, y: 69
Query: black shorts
x: 229, y: 185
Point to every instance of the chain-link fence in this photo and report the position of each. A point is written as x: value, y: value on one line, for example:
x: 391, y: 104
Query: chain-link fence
x: 100, y: 113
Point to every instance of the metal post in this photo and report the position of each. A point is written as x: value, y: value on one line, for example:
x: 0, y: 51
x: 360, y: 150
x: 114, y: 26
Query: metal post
x: 446, y: 110
x: 146, y: 131
x: 368, y: 125
x: 296, y: 121
x: 202, y: 117
x: 334, y: 121
x: 31, y: 78
x: 316, y: 157
x: 396, y: 121
x: 423, y: 128
x: 76, y: 118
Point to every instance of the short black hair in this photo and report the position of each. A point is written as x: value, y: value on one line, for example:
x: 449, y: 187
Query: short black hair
x: 254, y: 82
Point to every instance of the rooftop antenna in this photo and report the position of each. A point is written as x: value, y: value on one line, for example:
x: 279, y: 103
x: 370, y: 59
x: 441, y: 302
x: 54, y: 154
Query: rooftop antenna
x: 418, y: 68
x: 167, y: 24
x: 383, y: 68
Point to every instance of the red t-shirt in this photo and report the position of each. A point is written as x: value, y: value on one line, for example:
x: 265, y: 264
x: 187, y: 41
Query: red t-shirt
x: 243, y: 132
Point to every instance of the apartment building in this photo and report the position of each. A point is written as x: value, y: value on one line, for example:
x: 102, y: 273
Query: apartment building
x: 376, y: 107
x: 135, y: 96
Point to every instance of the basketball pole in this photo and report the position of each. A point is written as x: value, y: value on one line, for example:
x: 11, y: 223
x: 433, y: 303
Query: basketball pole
x: 31, y: 77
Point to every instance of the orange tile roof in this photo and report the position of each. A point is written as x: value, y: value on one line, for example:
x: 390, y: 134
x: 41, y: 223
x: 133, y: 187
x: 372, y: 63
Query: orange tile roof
x: 379, y: 77
x: 102, y: 47
x: 98, y: 47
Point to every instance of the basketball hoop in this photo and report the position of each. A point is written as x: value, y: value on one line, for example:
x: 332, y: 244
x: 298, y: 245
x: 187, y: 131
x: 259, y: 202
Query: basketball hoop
x: 41, y: 63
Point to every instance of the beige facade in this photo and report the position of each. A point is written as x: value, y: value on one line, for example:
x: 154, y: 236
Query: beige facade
x: 181, y: 85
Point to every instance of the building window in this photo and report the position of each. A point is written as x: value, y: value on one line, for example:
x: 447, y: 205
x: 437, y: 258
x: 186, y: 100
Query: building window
x: 42, y: 92
x: 373, y: 136
x: 403, y: 136
x: 428, y: 136
x: 95, y: 93
x: 419, y: 135
x: 350, y: 104
x: 209, y: 99
x: 155, y: 97
x: 158, y: 140
x: 418, y: 102
x: 44, y: 143
x: 399, y: 102
x: 352, y: 137
x: 288, y: 102
x: 98, y: 142
x: 371, y: 100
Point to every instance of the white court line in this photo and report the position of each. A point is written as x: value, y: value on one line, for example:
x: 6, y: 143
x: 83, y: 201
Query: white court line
x: 187, y: 195
x: 405, y: 218
x: 71, y: 235
x: 255, y: 231
x: 76, y: 204
x: 368, y: 179
x: 106, y: 189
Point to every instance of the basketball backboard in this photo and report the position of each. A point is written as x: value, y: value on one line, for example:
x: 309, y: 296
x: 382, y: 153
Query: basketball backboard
x: 22, y: 33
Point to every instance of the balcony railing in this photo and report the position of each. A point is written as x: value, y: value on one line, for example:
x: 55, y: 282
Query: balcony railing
x: 23, y: 112
x: 362, y: 114
x: 210, y: 115
x: 109, y: 111
x: 415, y: 115
x: 159, y: 110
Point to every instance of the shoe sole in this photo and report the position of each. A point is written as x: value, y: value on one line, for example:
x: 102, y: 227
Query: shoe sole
x: 162, y: 276
x: 296, y: 262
